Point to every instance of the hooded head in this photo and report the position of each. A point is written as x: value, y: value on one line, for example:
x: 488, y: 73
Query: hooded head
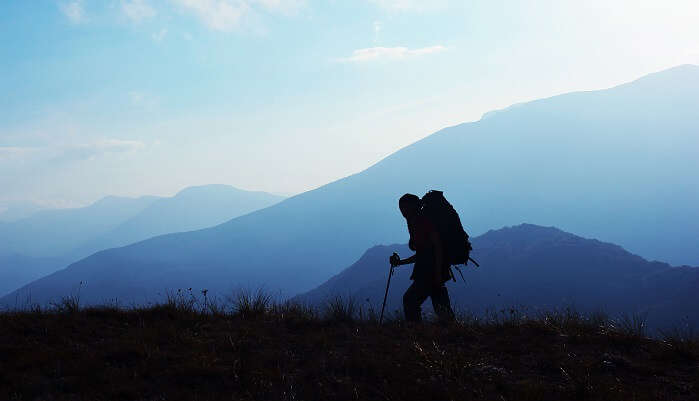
x: 409, y: 205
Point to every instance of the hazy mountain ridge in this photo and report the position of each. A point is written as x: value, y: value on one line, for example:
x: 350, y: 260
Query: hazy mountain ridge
x: 62, y: 236
x: 38, y: 245
x: 567, y: 173
x: 193, y: 208
x: 18, y: 210
x: 51, y: 233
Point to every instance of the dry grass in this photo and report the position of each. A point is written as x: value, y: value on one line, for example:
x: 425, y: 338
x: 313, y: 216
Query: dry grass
x: 196, y: 348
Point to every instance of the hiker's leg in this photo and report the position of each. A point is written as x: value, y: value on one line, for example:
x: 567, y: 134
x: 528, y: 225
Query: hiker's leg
x: 442, y: 304
x: 412, y: 300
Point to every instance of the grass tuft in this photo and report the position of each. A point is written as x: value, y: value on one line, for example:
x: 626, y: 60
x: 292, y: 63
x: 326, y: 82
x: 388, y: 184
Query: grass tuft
x: 67, y: 304
x: 340, y: 309
x: 632, y: 325
x: 251, y: 305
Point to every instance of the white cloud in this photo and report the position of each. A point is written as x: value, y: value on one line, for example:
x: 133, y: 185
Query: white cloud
x: 137, y: 10
x: 280, y: 6
x: 219, y: 15
x: 225, y: 15
x: 389, y: 53
x: 160, y: 35
x: 411, y: 5
x: 74, y: 11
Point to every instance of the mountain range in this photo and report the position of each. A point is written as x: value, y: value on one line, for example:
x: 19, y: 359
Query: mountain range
x: 193, y: 208
x: 49, y: 240
x: 617, y: 164
x: 53, y: 233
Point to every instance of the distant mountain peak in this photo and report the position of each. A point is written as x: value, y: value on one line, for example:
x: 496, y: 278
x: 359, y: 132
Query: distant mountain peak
x: 206, y: 188
x: 691, y: 68
x: 532, y: 235
x: 529, y: 229
x: 682, y: 77
x: 678, y: 77
x: 114, y: 199
x: 217, y: 188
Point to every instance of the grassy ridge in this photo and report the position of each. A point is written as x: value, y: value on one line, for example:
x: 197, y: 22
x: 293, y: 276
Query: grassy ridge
x: 194, y: 349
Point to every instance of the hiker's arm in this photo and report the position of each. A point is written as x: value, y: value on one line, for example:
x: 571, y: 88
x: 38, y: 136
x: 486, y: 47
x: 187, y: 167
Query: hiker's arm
x: 407, y: 261
x: 438, y: 256
x: 396, y: 261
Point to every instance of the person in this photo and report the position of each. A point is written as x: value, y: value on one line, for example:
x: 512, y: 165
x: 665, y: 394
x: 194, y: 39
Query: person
x: 430, y: 272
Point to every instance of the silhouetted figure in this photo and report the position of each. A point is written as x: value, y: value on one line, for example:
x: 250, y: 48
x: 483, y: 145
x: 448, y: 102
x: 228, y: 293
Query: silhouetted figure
x: 431, y: 268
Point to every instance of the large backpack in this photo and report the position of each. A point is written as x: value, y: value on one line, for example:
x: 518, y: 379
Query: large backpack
x: 441, y: 213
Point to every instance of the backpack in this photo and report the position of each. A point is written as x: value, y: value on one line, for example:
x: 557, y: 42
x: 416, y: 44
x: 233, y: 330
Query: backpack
x: 457, y: 247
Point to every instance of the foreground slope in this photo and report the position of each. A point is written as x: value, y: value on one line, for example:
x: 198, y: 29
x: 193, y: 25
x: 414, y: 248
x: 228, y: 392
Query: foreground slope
x: 535, y: 268
x: 170, y: 353
x: 618, y: 164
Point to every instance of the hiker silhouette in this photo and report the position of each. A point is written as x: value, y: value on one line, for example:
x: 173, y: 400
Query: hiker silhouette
x: 432, y: 268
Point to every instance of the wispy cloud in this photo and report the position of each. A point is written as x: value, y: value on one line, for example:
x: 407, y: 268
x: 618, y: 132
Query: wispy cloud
x: 15, y: 152
x: 137, y: 10
x: 89, y: 151
x: 142, y: 99
x: 74, y: 11
x: 226, y: 15
x: 280, y: 6
x: 68, y: 152
x: 377, y: 31
x: 389, y: 53
x: 160, y: 35
x: 117, y: 145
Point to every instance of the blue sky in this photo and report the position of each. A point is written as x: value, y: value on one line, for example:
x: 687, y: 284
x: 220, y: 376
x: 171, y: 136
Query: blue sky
x: 134, y: 97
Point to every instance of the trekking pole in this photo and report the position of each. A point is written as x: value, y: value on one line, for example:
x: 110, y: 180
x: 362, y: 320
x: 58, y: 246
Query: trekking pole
x: 474, y: 262
x: 390, y: 273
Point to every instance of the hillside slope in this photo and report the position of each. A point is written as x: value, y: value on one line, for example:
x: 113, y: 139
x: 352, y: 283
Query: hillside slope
x: 535, y: 268
x: 17, y: 270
